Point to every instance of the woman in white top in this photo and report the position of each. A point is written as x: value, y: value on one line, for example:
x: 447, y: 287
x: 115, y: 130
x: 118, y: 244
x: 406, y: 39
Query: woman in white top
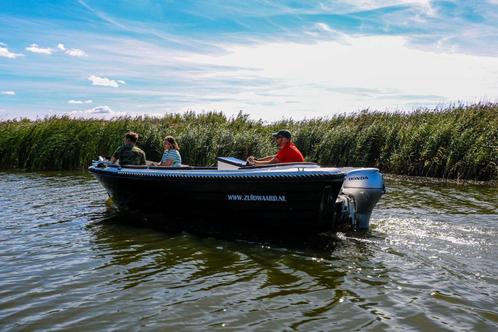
x: 171, y: 156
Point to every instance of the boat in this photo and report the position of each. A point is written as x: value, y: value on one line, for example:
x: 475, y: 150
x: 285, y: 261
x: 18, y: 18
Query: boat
x: 286, y: 198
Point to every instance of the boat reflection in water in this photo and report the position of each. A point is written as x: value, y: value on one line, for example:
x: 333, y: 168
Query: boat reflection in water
x: 291, y: 198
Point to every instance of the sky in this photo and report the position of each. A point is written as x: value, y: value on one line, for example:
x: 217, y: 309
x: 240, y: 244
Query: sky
x: 269, y: 59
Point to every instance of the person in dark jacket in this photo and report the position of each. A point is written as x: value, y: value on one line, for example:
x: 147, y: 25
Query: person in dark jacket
x: 128, y: 153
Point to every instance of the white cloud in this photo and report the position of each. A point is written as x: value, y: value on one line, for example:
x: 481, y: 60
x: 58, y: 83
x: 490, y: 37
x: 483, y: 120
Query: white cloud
x: 328, y: 77
x: 5, y: 114
x: 104, y: 81
x: 75, y: 52
x: 34, y: 48
x: 100, y: 112
x: 323, y: 27
x: 425, y: 5
x: 72, y: 101
x: 11, y: 93
x: 4, y: 52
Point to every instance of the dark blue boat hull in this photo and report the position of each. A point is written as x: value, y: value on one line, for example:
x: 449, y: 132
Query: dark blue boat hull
x: 284, y: 203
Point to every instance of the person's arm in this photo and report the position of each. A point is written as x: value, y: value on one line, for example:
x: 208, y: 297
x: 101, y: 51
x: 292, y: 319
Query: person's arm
x: 143, y: 159
x: 273, y: 160
x: 166, y: 163
x: 251, y: 159
x: 263, y: 161
x: 115, y: 155
x: 267, y: 158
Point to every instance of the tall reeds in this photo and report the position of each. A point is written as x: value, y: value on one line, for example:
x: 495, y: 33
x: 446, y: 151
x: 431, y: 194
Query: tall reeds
x: 457, y: 142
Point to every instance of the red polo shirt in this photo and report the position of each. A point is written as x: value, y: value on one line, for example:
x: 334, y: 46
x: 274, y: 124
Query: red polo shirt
x: 290, y: 154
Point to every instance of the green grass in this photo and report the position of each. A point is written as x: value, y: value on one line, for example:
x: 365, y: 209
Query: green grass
x: 458, y: 142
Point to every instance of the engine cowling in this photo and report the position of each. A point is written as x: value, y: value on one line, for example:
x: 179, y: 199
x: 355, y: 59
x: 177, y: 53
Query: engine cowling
x: 360, y: 192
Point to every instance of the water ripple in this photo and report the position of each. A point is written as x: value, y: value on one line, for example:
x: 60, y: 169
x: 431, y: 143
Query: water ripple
x: 68, y: 263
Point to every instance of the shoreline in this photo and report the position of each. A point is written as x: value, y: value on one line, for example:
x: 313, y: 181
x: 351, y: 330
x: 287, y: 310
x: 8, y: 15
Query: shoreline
x: 458, y: 143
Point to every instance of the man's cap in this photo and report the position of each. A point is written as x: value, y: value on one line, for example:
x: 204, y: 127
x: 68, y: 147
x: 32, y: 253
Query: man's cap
x: 283, y: 133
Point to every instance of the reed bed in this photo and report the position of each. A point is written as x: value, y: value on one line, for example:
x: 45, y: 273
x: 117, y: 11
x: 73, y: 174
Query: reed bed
x: 459, y: 142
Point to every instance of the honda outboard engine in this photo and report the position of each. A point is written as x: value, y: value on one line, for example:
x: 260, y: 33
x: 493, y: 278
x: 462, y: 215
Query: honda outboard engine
x: 361, y: 190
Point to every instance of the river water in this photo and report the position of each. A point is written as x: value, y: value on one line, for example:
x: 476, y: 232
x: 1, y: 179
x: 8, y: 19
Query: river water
x: 430, y: 263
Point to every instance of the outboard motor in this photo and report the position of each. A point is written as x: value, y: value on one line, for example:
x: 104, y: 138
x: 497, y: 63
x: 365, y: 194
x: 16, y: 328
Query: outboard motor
x: 361, y: 190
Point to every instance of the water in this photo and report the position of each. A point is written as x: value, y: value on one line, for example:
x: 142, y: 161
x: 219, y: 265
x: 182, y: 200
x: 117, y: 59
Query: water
x: 430, y: 263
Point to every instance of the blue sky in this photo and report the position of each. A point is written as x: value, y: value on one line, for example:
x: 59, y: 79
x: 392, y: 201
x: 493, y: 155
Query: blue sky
x: 270, y: 59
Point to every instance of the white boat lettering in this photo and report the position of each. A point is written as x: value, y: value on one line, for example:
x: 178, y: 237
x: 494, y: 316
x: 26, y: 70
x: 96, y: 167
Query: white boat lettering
x: 256, y: 198
x: 357, y: 178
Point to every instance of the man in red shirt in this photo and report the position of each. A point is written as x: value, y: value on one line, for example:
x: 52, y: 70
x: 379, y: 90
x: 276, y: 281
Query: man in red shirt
x: 287, y: 153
